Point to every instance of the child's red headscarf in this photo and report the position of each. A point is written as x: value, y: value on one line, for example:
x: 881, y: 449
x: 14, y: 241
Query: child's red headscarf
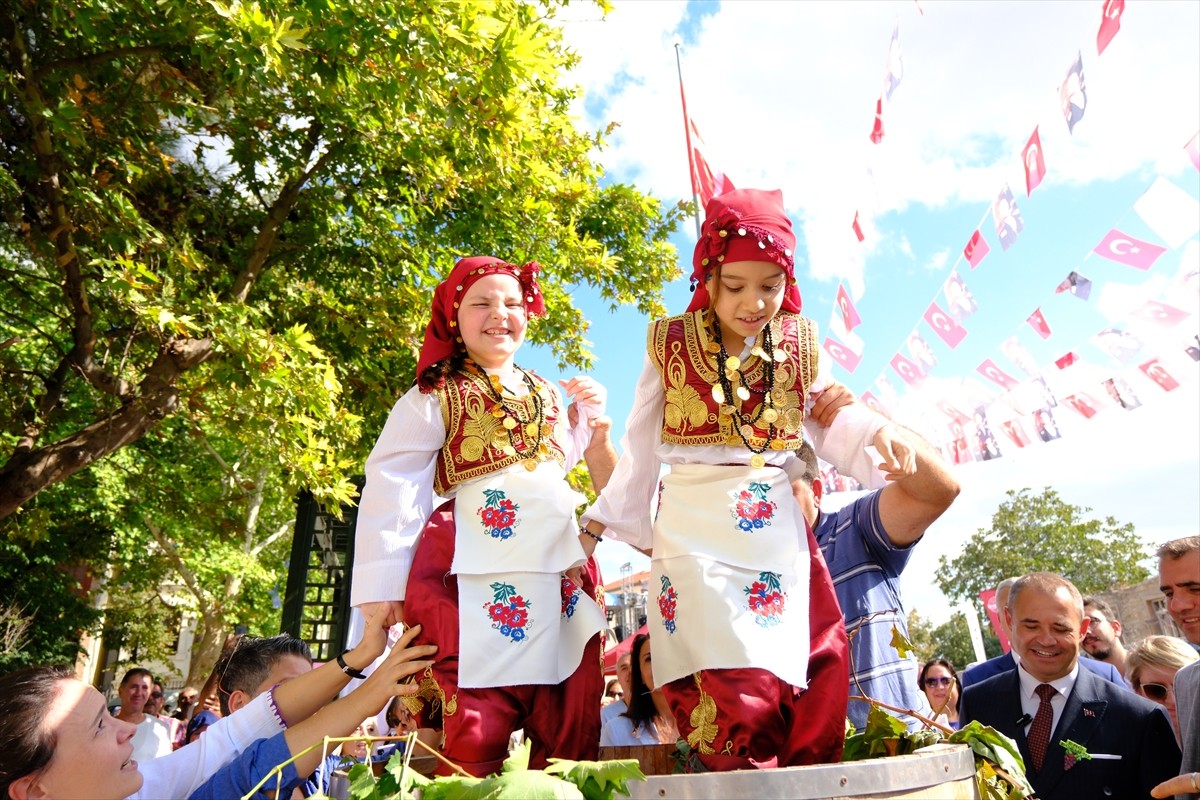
x: 745, y: 225
x: 441, y: 337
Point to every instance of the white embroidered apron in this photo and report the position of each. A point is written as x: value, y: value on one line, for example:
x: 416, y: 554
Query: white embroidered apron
x: 515, y: 535
x: 729, y: 576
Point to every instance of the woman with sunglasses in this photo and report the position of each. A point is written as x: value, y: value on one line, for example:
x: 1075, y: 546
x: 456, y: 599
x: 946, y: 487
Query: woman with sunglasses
x: 940, y: 683
x: 1150, y: 669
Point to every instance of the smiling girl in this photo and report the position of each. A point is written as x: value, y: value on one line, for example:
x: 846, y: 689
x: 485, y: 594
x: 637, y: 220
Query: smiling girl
x: 749, y: 642
x: 497, y: 566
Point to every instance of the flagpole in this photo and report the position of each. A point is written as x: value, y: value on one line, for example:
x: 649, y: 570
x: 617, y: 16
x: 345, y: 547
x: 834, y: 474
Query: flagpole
x: 687, y: 133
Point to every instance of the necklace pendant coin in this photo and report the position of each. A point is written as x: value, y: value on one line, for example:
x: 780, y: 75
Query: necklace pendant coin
x: 743, y: 393
x: 757, y: 461
x: 777, y: 444
x: 498, y: 411
x: 532, y: 429
x: 759, y: 352
x: 718, y: 394
x: 547, y: 430
x: 732, y: 440
x: 747, y: 430
x: 778, y: 395
x: 509, y: 450
x: 779, y: 355
x: 733, y: 362
x: 509, y: 423
x: 770, y: 415
x: 726, y: 410
x: 713, y: 347
x: 530, y: 464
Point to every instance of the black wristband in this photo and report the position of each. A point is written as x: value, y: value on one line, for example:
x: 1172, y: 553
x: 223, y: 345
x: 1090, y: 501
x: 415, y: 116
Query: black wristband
x: 349, y: 670
x: 586, y: 532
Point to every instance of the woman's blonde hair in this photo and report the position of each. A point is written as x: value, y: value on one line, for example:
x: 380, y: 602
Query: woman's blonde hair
x: 1166, y: 652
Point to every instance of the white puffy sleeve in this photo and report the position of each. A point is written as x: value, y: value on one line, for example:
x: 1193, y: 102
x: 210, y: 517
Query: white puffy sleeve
x: 397, y: 499
x: 624, y: 505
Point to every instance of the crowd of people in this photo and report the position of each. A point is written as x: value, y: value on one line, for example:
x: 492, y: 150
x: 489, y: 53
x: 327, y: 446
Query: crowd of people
x: 771, y: 621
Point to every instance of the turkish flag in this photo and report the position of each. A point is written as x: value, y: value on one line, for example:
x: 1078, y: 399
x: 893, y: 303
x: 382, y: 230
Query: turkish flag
x: 877, y: 131
x: 1110, y: 23
x: 1066, y: 361
x: 950, y: 331
x: 843, y: 355
x: 976, y: 249
x: 1016, y: 432
x: 705, y: 182
x: 858, y: 231
x: 953, y: 412
x: 1193, y: 150
x: 1160, y: 314
x: 989, y: 370
x: 1038, y: 321
x: 849, y: 313
x: 1084, y: 403
x: 1124, y: 249
x: 1035, y: 164
x: 907, y: 370
x: 1156, y: 372
x: 873, y: 403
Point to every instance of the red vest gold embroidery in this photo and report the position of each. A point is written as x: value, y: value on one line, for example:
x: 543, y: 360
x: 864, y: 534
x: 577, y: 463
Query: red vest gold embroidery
x: 474, y: 437
x: 678, y: 348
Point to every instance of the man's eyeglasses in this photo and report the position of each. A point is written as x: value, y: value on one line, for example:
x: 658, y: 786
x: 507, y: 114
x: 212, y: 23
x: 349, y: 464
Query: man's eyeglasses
x: 1157, y: 691
x: 932, y: 682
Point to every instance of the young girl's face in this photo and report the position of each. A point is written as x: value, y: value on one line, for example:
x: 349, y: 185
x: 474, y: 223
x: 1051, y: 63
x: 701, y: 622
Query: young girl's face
x: 92, y: 754
x: 748, y: 295
x: 491, y: 320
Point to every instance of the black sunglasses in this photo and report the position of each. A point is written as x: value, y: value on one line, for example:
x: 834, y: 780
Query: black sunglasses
x: 943, y: 681
x: 1156, y: 691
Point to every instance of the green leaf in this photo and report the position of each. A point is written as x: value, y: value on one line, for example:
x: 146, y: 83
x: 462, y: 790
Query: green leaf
x: 598, y: 780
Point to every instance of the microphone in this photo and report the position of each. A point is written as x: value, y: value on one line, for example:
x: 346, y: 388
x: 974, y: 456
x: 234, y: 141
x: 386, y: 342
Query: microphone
x: 1024, y: 720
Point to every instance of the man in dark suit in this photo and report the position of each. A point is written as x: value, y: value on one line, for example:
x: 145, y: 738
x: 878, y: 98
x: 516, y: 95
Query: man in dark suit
x: 1048, y: 700
x: 1004, y: 662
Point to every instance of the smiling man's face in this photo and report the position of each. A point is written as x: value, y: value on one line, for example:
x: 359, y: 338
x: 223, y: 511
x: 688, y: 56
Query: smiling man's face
x: 1047, y: 629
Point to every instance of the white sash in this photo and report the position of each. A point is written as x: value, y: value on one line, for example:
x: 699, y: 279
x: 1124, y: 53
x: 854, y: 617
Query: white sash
x: 730, y: 574
x: 515, y: 534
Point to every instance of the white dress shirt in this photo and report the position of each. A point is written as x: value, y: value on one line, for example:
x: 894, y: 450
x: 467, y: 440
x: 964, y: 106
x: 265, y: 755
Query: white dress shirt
x: 1030, y: 701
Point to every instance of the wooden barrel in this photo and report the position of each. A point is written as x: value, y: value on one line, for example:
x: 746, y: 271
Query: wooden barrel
x: 941, y: 772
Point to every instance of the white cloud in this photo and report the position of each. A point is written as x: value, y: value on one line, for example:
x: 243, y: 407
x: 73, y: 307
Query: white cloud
x: 785, y: 96
x: 938, y: 261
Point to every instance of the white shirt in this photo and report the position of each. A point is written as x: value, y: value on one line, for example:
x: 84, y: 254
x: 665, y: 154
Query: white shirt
x: 398, y: 497
x: 1030, y: 701
x: 185, y: 770
x: 151, y: 740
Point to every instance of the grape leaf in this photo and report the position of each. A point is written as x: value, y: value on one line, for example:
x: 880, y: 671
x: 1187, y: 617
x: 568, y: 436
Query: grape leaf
x: 901, y: 642
x: 598, y: 780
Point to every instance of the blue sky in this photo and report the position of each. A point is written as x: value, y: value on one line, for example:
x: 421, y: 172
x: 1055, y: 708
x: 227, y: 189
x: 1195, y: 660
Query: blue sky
x: 784, y: 94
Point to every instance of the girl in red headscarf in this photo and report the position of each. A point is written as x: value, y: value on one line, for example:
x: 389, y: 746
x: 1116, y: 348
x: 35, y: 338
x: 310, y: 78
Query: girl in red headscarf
x: 749, y: 641
x: 495, y: 573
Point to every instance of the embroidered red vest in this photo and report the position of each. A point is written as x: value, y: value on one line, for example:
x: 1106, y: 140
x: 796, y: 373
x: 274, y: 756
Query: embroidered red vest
x: 475, y: 436
x: 678, y: 346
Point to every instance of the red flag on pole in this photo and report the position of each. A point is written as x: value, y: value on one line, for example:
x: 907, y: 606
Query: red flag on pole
x: 1035, y: 165
x: 849, y: 313
x: 858, y: 231
x: 843, y: 355
x: 988, y: 369
x: 950, y: 331
x: 877, y: 131
x: 976, y: 249
x: 1124, y: 249
x: 705, y: 182
x: 1110, y: 23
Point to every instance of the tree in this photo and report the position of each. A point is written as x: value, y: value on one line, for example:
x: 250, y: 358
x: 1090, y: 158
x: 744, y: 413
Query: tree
x: 950, y: 640
x: 1043, y: 533
x: 221, y: 224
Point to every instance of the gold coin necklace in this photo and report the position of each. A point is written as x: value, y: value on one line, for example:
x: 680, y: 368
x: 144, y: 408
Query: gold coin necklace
x: 511, y: 421
x: 731, y: 396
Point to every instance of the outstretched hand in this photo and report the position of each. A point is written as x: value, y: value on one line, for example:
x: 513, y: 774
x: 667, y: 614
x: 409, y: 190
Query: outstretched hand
x: 899, y: 457
x: 381, y: 617
x: 587, y: 394
x: 404, y: 660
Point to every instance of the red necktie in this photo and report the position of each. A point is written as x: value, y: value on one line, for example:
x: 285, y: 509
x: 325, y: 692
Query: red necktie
x: 1039, y: 732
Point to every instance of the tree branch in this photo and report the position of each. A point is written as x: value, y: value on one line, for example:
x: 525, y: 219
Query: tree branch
x: 281, y: 531
x: 82, y: 62
x: 185, y: 572
x: 27, y: 472
x: 283, y: 205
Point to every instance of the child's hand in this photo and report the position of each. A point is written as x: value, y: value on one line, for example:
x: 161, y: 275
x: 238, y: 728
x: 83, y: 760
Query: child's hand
x: 380, y: 618
x: 829, y: 401
x: 899, y: 457
x: 404, y: 660
x: 584, y: 393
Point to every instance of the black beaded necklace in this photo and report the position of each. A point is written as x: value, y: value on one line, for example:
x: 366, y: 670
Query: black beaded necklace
x: 534, y: 428
x: 731, y: 397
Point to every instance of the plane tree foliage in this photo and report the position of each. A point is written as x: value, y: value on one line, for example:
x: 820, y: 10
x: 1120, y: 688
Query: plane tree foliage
x: 220, y: 226
x: 1044, y: 533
